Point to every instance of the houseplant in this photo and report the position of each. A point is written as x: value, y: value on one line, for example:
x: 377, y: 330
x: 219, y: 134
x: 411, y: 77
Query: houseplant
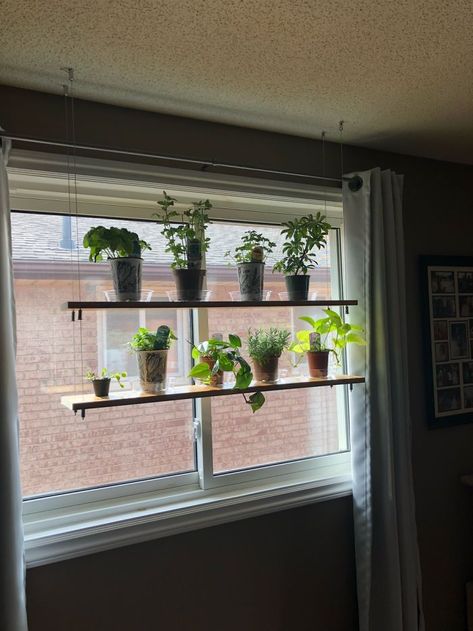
x: 186, y: 241
x: 152, y: 351
x: 215, y: 357
x: 302, y: 236
x: 123, y: 249
x: 250, y: 257
x: 327, y: 335
x: 101, y: 381
x: 265, y: 348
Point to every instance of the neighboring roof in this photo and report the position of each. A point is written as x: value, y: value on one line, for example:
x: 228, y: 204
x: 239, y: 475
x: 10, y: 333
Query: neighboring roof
x: 37, y: 237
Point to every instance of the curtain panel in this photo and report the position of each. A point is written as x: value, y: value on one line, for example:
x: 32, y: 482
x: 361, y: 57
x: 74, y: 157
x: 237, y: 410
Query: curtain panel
x: 388, y: 571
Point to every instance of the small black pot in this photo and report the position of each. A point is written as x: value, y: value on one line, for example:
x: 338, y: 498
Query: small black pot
x: 101, y: 387
x: 189, y: 283
x: 126, y: 276
x: 297, y: 286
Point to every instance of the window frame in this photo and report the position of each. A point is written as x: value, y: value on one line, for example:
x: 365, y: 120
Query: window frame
x: 55, y: 523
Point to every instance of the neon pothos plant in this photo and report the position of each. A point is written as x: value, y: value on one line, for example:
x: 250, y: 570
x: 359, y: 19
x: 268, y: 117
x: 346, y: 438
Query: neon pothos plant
x: 331, y: 334
x: 302, y: 237
x: 227, y: 358
x: 181, y: 230
x: 252, y: 242
x: 90, y: 375
x: 113, y: 243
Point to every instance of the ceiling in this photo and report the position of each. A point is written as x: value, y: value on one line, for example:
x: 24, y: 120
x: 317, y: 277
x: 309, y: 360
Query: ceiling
x: 400, y: 74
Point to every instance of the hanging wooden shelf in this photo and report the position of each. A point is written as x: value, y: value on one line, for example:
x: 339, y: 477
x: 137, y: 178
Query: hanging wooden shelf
x: 84, y: 402
x: 198, y: 304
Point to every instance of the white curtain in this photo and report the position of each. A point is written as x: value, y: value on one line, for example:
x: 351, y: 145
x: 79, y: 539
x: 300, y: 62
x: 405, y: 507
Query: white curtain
x: 388, y: 571
x: 12, y: 570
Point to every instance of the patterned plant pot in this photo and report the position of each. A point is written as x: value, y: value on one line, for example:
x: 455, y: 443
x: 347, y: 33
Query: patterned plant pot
x: 251, y: 279
x: 153, y: 367
x: 126, y: 276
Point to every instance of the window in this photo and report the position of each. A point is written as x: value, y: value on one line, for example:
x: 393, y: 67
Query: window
x: 157, y: 454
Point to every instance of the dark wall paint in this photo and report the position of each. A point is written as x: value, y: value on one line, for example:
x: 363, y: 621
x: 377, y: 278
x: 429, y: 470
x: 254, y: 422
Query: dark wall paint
x: 438, y: 218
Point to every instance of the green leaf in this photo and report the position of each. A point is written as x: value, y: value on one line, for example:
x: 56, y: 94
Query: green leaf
x: 200, y: 371
x: 195, y: 353
x: 354, y: 338
x: 303, y: 335
x: 309, y: 320
x: 256, y: 400
x: 234, y: 340
x: 243, y: 378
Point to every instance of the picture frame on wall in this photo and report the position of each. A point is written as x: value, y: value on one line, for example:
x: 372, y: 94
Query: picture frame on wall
x: 448, y: 338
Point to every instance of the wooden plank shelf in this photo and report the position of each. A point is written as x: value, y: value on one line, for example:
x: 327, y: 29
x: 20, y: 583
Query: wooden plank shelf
x: 89, y: 401
x: 198, y: 304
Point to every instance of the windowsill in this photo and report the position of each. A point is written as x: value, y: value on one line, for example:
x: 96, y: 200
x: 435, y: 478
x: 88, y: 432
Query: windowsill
x: 67, y: 533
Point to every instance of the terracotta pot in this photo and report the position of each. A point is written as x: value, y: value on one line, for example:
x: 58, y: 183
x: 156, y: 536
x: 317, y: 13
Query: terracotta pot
x: 318, y: 363
x: 101, y: 387
x: 217, y: 379
x: 153, y: 368
x: 267, y: 372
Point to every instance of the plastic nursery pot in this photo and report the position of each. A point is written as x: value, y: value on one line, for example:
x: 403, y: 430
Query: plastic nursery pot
x: 217, y: 379
x: 126, y: 276
x: 251, y: 279
x: 318, y: 363
x: 297, y: 286
x: 267, y: 372
x: 153, y: 367
x: 189, y: 283
x: 101, y: 387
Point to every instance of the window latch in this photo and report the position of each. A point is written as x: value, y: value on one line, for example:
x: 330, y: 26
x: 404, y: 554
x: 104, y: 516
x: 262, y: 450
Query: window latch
x: 197, y: 429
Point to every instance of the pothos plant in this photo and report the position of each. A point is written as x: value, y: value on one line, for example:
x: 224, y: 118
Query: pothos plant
x: 332, y: 334
x: 113, y: 243
x: 254, y: 247
x: 302, y: 237
x: 227, y: 358
x: 184, y: 232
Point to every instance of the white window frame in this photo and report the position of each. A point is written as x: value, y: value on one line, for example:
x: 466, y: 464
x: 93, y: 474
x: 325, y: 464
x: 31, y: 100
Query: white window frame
x: 80, y: 522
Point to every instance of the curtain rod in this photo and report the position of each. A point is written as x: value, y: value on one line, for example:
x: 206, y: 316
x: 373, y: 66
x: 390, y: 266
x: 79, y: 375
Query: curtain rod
x: 203, y: 163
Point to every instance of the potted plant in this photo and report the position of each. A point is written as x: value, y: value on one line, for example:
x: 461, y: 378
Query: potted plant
x: 101, y: 381
x: 302, y: 236
x: 186, y: 241
x: 152, y: 351
x: 250, y: 257
x: 327, y: 335
x: 217, y: 356
x: 123, y: 249
x: 265, y: 348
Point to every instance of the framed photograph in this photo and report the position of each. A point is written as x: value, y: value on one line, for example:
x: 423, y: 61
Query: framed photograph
x: 448, y: 338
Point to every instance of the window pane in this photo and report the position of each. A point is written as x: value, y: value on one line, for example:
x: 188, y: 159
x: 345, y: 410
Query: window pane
x: 292, y: 424
x: 60, y: 451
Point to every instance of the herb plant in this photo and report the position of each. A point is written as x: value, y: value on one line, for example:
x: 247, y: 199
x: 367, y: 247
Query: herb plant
x: 227, y: 358
x: 331, y: 334
x: 254, y: 247
x: 265, y: 344
x: 302, y: 235
x: 182, y: 229
x: 90, y: 375
x: 145, y: 340
x: 114, y: 243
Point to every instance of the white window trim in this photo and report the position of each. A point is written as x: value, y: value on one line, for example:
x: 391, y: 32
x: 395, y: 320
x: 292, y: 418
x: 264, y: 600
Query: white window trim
x: 72, y: 524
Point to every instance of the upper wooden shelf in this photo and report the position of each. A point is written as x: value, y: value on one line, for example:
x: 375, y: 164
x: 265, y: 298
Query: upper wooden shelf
x: 89, y: 401
x: 196, y: 304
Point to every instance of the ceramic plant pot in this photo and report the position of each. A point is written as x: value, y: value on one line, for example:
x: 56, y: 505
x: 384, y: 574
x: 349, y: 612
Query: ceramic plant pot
x: 189, y: 283
x: 297, y: 286
x: 153, y: 367
x: 267, y: 372
x: 251, y: 279
x: 126, y: 276
x: 101, y: 387
x: 318, y: 363
x: 217, y: 379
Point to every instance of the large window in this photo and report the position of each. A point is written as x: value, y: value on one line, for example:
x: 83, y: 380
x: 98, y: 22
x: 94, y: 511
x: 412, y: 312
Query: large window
x: 205, y: 444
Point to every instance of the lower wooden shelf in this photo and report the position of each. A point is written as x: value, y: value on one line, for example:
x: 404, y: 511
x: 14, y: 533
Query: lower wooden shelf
x: 89, y: 401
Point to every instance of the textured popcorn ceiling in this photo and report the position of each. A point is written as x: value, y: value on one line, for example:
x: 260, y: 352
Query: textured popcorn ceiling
x: 400, y: 73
